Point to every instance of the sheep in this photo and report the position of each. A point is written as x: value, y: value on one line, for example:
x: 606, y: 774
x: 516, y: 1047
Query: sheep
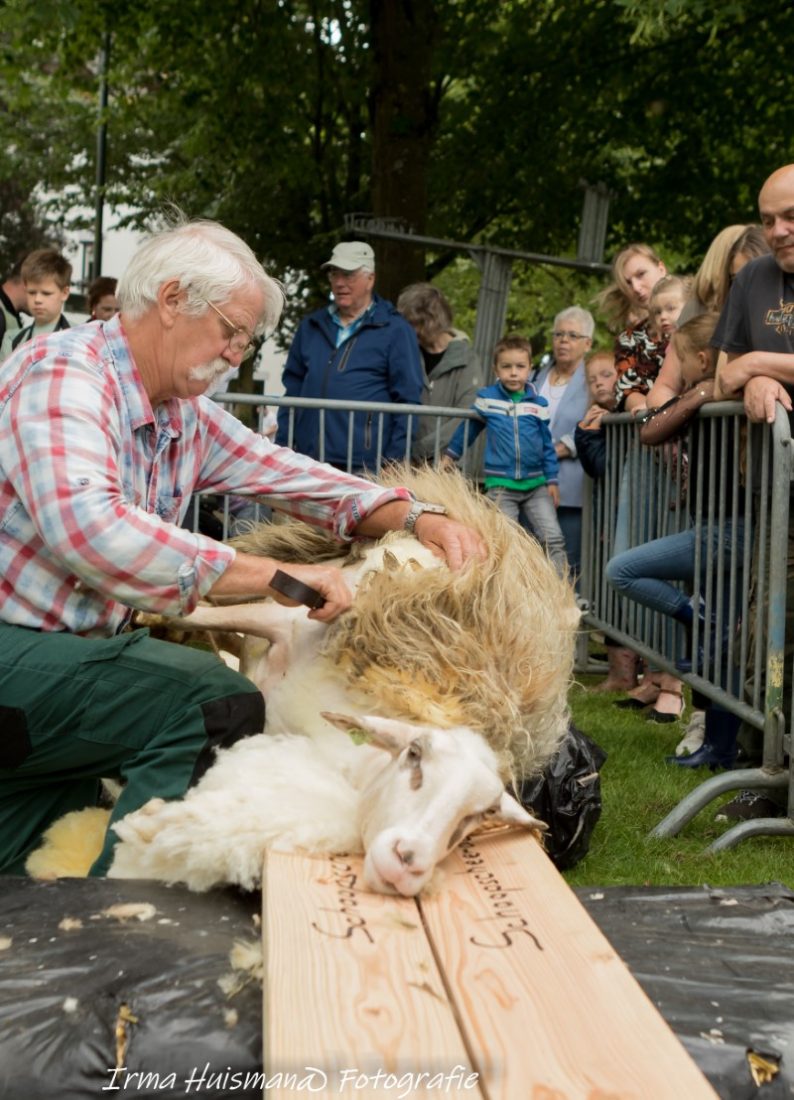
x: 461, y: 677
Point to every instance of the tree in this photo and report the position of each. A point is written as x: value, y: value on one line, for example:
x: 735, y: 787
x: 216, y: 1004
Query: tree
x: 468, y: 119
x: 404, y: 108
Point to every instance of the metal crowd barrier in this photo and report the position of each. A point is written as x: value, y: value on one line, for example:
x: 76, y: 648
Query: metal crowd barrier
x: 442, y: 420
x: 376, y: 414
x: 646, y: 493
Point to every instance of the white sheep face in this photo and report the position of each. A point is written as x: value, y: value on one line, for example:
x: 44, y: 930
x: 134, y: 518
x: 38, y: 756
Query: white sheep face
x: 437, y: 788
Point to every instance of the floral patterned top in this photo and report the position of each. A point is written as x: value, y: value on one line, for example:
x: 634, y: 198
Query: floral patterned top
x: 638, y: 358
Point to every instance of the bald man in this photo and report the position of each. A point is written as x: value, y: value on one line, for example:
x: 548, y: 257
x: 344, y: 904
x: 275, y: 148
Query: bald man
x: 756, y: 329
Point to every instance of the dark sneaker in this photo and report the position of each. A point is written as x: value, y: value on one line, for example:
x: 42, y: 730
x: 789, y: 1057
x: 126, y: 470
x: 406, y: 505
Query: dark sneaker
x: 748, y: 805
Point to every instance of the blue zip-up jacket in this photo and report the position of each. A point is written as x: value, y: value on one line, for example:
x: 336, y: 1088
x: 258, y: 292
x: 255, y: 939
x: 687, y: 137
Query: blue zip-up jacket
x: 380, y: 362
x: 517, y: 435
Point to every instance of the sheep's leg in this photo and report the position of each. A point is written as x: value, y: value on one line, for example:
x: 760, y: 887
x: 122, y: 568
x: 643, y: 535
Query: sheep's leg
x: 185, y: 841
x: 262, y: 620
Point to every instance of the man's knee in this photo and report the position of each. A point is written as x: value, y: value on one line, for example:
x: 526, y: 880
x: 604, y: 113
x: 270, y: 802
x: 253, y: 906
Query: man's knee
x: 227, y: 719
x: 219, y: 706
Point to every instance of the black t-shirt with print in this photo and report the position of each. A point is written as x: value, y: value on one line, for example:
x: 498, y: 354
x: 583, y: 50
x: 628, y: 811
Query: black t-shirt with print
x: 759, y: 313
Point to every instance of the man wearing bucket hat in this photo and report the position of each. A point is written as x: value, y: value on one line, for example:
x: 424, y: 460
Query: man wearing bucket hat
x: 358, y: 348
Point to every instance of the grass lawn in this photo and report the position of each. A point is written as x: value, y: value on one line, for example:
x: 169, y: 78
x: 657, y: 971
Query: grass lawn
x: 638, y: 789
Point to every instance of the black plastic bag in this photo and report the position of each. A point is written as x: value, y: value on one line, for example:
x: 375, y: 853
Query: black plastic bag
x: 567, y: 796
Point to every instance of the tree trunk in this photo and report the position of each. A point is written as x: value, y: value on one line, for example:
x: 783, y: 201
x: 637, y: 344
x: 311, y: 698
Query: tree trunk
x: 404, y: 112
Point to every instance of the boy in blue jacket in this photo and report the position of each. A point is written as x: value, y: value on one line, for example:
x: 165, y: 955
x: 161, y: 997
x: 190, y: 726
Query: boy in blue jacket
x: 521, y: 468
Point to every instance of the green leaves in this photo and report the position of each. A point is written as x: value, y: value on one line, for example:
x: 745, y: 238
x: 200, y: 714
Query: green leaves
x: 266, y: 114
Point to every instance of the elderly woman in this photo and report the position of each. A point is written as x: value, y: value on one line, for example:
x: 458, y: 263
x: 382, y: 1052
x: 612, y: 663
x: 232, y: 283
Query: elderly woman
x: 453, y: 373
x: 564, y: 385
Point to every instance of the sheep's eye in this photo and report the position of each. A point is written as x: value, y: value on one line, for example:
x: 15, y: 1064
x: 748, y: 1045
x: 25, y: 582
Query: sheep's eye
x: 415, y: 752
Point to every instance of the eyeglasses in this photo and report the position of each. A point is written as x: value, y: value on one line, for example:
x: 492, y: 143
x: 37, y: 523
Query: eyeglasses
x: 569, y: 335
x: 241, y: 342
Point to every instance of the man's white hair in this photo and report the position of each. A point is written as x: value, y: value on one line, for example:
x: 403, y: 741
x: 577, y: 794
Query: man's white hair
x: 211, y: 264
x: 575, y: 315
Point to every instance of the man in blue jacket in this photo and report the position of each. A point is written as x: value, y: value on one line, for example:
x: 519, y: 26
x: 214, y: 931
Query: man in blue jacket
x: 358, y: 348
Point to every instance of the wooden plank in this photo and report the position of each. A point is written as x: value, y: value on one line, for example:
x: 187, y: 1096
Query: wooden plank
x: 351, y: 985
x: 548, y: 1007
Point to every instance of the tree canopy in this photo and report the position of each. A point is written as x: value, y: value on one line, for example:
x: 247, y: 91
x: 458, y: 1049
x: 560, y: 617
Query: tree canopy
x: 466, y: 119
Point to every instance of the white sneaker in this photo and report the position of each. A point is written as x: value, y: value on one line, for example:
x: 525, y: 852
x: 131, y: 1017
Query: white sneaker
x: 694, y: 734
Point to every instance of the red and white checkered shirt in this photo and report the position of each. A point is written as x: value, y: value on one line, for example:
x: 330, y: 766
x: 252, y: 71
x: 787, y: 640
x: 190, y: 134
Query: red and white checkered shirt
x: 94, y: 482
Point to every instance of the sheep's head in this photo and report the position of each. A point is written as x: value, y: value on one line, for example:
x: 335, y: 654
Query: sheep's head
x: 437, y: 788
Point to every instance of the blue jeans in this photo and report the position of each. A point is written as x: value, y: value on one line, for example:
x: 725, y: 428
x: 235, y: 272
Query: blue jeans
x: 643, y: 573
x: 540, y: 515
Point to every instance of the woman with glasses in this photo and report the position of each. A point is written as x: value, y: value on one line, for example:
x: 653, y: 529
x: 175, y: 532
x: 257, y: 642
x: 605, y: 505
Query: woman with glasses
x: 564, y: 385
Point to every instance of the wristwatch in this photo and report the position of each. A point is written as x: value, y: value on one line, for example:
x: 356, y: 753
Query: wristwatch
x: 416, y: 510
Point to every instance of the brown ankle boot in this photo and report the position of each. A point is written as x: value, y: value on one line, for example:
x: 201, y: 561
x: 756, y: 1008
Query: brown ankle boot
x: 622, y: 675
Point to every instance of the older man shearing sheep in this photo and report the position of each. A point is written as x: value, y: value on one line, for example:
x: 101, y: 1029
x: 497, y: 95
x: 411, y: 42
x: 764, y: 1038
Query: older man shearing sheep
x: 104, y: 435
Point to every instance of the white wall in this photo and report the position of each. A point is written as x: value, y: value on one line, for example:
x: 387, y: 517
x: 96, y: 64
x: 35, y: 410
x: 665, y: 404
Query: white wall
x: 118, y: 246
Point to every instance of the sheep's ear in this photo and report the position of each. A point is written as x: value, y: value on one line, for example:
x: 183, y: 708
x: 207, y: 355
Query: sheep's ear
x: 383, y: 733
x: 513, y: 813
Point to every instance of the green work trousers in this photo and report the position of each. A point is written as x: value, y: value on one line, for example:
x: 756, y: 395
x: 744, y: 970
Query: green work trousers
x: 74, y: 710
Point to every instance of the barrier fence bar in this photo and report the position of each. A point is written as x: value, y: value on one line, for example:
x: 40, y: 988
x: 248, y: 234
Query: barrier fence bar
x: 738, y: 638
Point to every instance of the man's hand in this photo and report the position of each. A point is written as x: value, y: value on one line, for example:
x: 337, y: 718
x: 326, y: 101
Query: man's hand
x: 449, y: 539
x: 554, y: 493
x: 325, y: 579
x: 249, y: 576
x: 760, y: 397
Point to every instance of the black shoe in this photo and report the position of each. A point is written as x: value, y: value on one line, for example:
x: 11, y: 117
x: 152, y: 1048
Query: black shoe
x: 631, y: 704
x: 749, y: 805
x: 663, y: 717
x: 666, y: 716
x: 705, y: 757
x: 685, y: 664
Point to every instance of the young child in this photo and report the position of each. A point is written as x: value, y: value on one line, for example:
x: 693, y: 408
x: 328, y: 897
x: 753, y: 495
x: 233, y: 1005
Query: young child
x: 521, y: 468
x: 648, y: 573
x: 589, y: 437
x: 667, y: 300
x: 46, y: 275
x: 637, y: 374
x: 102, y: 301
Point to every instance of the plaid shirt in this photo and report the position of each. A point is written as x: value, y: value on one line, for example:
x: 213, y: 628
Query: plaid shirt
x: 94, y: 482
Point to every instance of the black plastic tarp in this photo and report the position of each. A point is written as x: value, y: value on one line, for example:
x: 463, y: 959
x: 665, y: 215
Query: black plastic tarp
x: 718, y: 963
x: 80, y: 982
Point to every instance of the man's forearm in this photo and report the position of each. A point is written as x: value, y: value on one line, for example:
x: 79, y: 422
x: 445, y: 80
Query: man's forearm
x: 389, y: 517
x: 734, y: 375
